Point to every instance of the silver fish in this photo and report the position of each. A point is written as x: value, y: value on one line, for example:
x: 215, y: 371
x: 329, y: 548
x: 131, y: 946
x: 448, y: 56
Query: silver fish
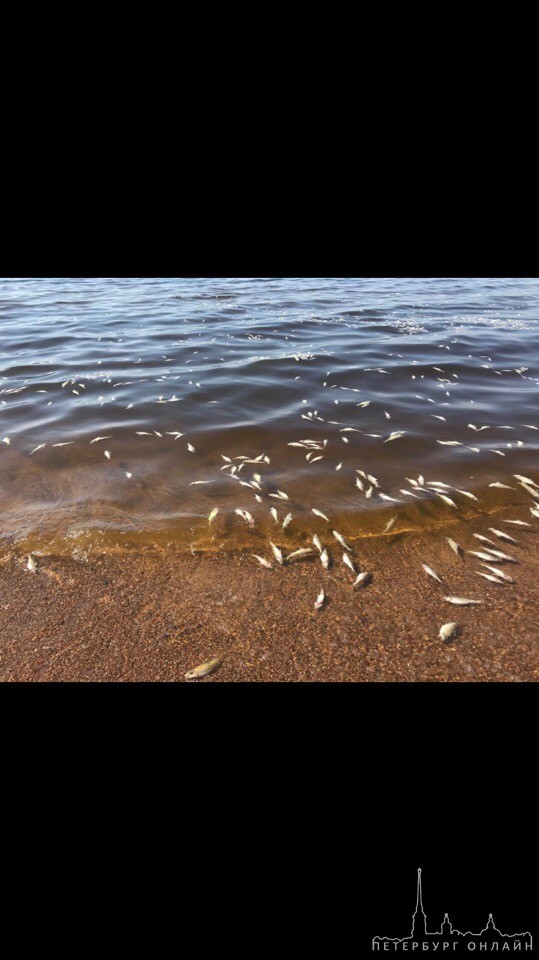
x: 391, y: 524
x: 363, y: 579
x: 462, y: 602
x: 317, y: 513
x: 32, y: 564
x: 502, y: 535
x: 317, y: 543
x: 431, y: 572
x: 499, y: 573
x: 277, y: 554
x: 287, y: 521
x: 454, y: 546
x: 262, y: 561
x: 341, y: 540
x: 448, y: 631
x: 348, y: 562
x: 297, y: 554
x: 204, y: 670
x: 324, y: 560
x: 213, y: 515
x: 320, y: 601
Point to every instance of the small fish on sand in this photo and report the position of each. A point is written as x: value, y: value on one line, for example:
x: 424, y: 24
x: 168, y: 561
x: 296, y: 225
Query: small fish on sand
x: 275, y: 515
x: 320, y: 601
x: 391, y: 524
x: 501, y: 486
x: 447, y: 500
x: 432, y: 573
x: 317, y: 543
x: 499, y: 573
x: 348, y: 562
x: 341, y: 540
x: 277, y: 554
x: 324, y: 560
x: 487, y: 576
x: 317, y: 513
x: 517, y: 523
x: 454, y: 546
x: 262, y: 561
x: 481, y: 556
x: 32, y: 564
x: 501, y: 556
x: 448, y: 631
x: 502, y: 535
x: 479, y: 536
x: 204, y: 670
x: 462, y: 602
x: 298, y: 554
x: 246, y: 516
x: 362, y: 580
x: 213, y: 515
x: 287, y: 521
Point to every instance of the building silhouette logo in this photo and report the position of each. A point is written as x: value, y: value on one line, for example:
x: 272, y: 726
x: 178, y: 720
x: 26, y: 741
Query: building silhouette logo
x: 449, y: 939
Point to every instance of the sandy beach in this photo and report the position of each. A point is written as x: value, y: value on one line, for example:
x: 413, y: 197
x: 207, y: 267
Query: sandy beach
x: 154, y: 615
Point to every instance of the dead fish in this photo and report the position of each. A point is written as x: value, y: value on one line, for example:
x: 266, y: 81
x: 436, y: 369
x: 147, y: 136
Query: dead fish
x: 246, y: 516
x: 479, y: 536
x: 517, y: 523
x: 275, y: 515
x: 448, y: 631
x: 362, y: 579
x: 298, y: 554
x: 369, y: 493
x: 287, y: 521
x: 129, y: 476
x: 317, y: 543
x: 532, y: 483
x: 348, y: 562
x: 465, y: 493
x: 98, y: 439
x: 391, y: 524
x: 277, y: 554
x: 431, y: 572
x: 501, y: 556
x: 108, y: 454
x: 324, y: 560
x: 502, y: 535
x: 191, y: 448
x: 481, y: 556
x: 447, y: 500
x: 534, y: 512
x: 454, y: 546
x: 213, y: 515
x: 487, y: 576
x: 499, y: 573
x: 359, y: 484
x: 449, y: 443
x: 501, y: 486
x: 341, y: 540
x: 41, y: 447
x: 204, y: 670
x: 395, y: 436
x: 320, y: 601
x: 384, y: 496
x: 262, y: 561
x: 32, y: 564
x: 462, y: 602
x: 283, y: 496
x: 317, y: 513
x: 7, y: 441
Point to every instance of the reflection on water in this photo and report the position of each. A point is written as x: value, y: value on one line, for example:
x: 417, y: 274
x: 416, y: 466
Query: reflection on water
x: 242, y: 368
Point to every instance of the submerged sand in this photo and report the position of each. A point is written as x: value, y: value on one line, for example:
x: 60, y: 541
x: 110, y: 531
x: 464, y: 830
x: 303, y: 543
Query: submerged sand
x: 153, y: 615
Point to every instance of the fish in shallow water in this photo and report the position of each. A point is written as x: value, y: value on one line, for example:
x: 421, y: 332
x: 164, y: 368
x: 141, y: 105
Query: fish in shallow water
x: 454, y: 546
x: 448, y: 631
x: 32, y: 564
x: 462, y: 602
x: 348, y: 562
x: 204, y: 669
x: 502, y: 535
x: 320, y: 601
x: 262, y: 561
x: 431, y: 572
x: 362, y: 580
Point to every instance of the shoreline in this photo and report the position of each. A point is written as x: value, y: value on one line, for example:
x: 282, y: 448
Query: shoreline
x: 154, y: 615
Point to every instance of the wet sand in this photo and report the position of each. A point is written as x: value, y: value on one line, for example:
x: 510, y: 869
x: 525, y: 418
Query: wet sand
x: 154, y: 615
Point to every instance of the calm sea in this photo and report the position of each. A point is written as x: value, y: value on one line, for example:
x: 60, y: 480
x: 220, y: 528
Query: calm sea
x: 242, y: 368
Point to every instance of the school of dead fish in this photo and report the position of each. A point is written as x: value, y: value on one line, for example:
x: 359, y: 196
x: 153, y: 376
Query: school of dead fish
x: 367, y: 485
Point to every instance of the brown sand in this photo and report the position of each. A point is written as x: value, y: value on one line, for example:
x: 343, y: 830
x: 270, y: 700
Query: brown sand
x: 152, y: 616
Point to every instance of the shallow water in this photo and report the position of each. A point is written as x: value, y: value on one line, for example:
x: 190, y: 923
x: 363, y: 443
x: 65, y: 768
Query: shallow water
x: 244, y: 367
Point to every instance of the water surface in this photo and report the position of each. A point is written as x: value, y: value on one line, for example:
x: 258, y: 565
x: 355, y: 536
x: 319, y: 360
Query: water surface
x: 243, y: 367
